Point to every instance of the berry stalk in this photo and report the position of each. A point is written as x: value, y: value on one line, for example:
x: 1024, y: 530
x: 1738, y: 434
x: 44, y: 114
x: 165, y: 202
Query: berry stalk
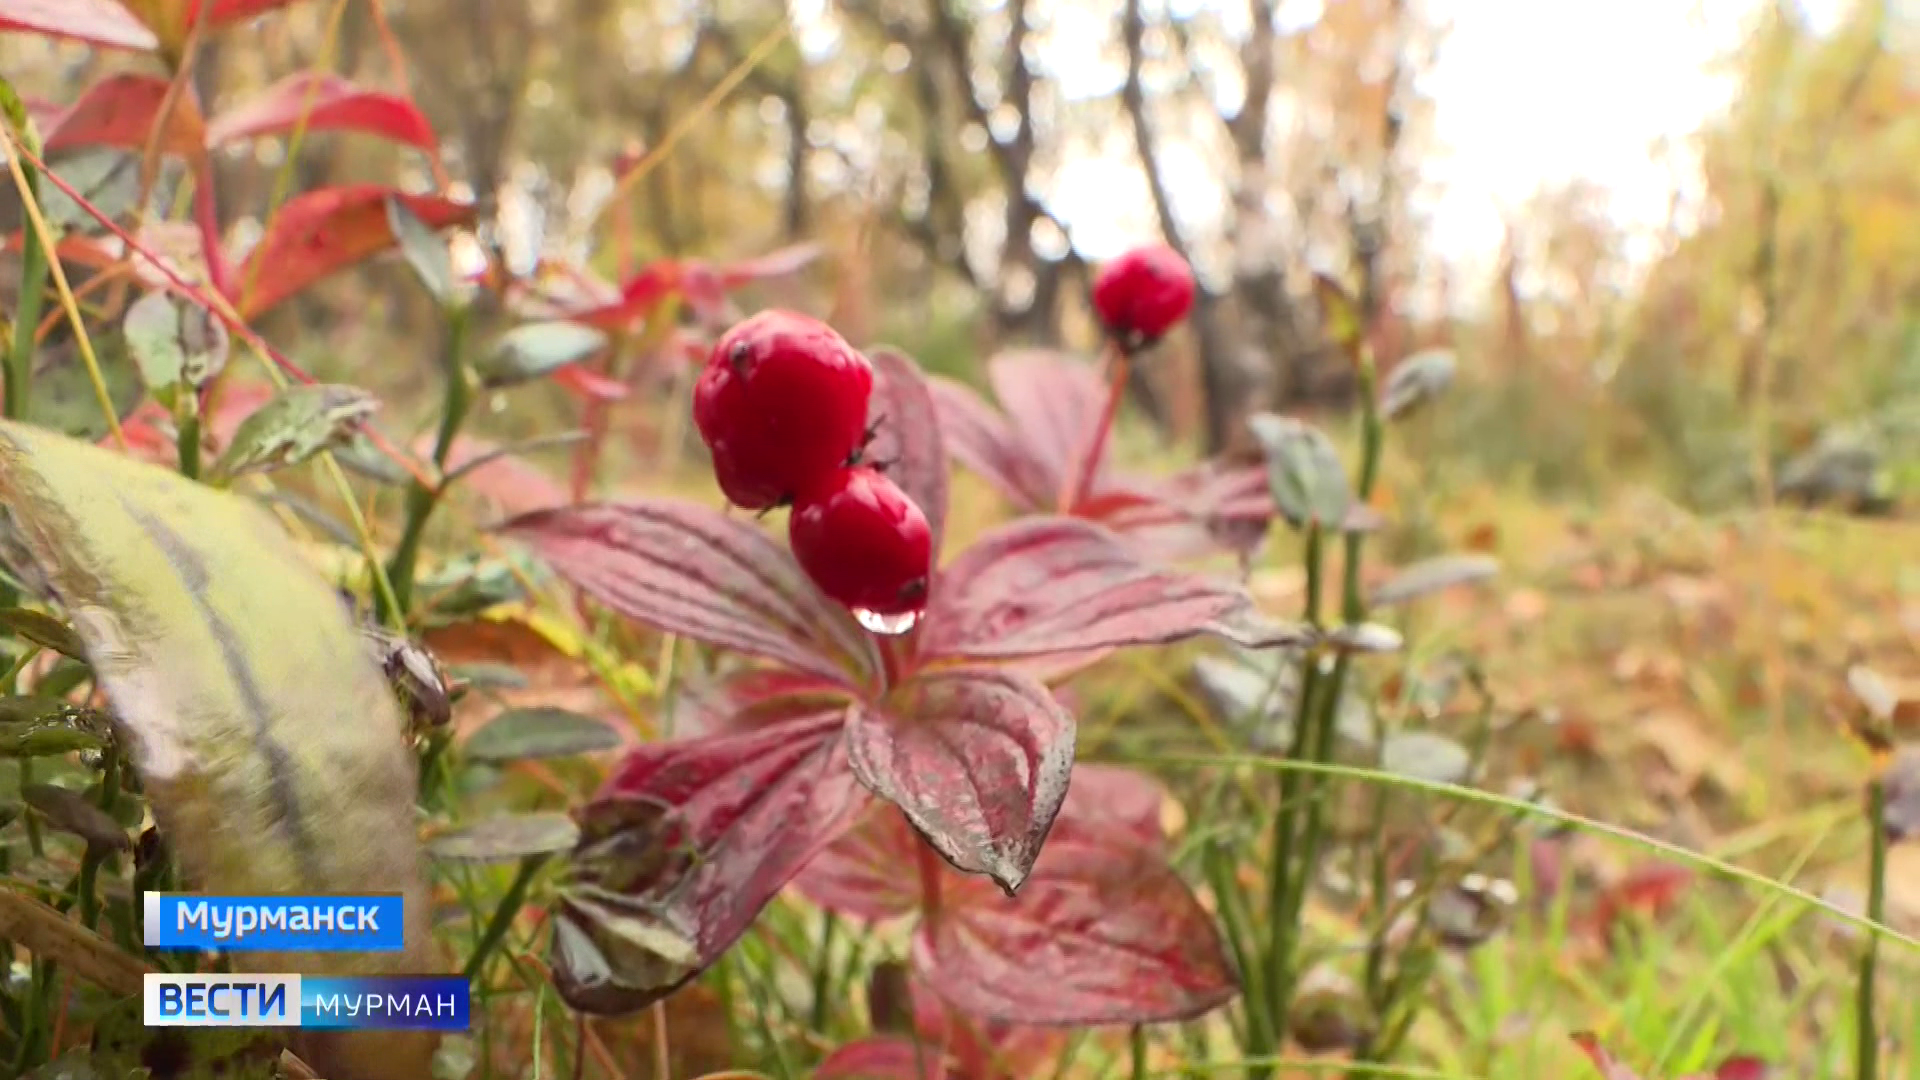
x: 1079, y: 481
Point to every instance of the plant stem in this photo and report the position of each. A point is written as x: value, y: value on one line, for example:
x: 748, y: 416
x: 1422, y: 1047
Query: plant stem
x: 1244, y: 942
x: 26, y: 320
x: 823, y: 971
x: 188, y: 443
x: 1280, y: 883
x: 1078, y: 482
x: 1866, y: 1030
x: 503, y: 915
x: 928, y: 861
x: 1137, y: 1038
x: 421, y: 499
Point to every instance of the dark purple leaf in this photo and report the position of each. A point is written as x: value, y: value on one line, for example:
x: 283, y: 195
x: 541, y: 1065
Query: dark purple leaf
x: 684, y: 569
x: 868, y: 872
x: 683, y: 846
x: 884, y: 1057
x: 1053, y: 401
x: 1048, y: 585
x: 978, y: 760
x: 1103, y: 933
x: 982, y: 440
x: 908, y: 437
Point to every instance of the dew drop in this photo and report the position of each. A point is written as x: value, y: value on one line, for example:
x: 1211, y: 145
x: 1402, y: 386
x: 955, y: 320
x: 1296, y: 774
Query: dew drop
x: 886, y: 624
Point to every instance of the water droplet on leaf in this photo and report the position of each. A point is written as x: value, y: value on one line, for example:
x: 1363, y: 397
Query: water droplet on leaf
x: 886, y: 624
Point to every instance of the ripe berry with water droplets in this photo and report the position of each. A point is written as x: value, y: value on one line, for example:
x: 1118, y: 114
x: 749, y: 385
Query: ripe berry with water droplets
x: 1142, y: 294
x: 864, y: 542
x: 781, y: 403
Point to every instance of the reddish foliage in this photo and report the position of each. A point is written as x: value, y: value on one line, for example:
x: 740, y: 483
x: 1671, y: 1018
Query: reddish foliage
x: 120, y: 111
x: 703, y: 286
x: 318, y: 233
x: 1052, y: 405
x: 978, y: 757
x: 329, y: 103
x: 96, y: 22
x: 1738, y: 1067
x: 1650, y: 887
x: 510, y: 483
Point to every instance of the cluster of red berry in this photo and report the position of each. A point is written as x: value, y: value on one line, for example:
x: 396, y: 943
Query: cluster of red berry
x: 782, y: 405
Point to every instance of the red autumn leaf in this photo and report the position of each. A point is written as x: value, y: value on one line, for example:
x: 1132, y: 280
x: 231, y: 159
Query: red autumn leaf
x: 329, y: 103
x: 982, y: 1049
x: 1742, y: 1067
x: 1053, y: 401
x: 1106, y: 800
x: 784, y: 262
x: 120, y: 110
x: 318, y: 233
x: 978, y: 760
x: 982, y: 440
x: 907, y: 434
x: 1103, y: 933
x: 683, y: 846
x: 586, y: 383
x: 754, y: 698
x: 685, y: 569
x: 885, y: 1057
x: 96, y: 22
x: 636, y: 299
x: 1649, y: 887
x: 1046, y: 585
x: 866, y: 873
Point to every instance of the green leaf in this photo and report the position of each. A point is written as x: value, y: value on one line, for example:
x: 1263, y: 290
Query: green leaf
x: 46, y: 727
x: 507, y: 839
x: 540, y: 732
x: 174, y: 345
x: 18, y: 118
x: 1308, y: 482
x: 1430, y: 576
x: 1415, y: 381
x: 44, y: 631
x: 423, y: 249
x: 63, y: 395
x: 484, y: 676
x: 108, y: 178
x: 359, y: 456
x: 297, y: 424
x: 68, y: 811
x: 267, y: 744
x: 533, y: 350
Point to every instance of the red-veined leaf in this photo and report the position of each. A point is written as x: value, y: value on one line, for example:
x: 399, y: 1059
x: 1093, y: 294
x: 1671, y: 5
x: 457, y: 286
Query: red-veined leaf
x: 120, y: 110
x: 1107, y: 800
x: 96, y: 22
x: 982, y: 1049
x: 1103, y: 933
x: 983, y: 441
x: 884, y: 1057
x: 318, y: 233
x: 754, y: 698
x: 868, y: 872
x: 774, y: 264
x: 1053, y: 400
x: 907, y: 436
x: 1046, y: 585
x: 683, y: 846
x: 685, y: 569
x: 978, y: 760
x: 329, y: 103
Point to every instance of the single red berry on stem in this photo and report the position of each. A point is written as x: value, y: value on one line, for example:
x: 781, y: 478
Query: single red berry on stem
x: 1142, y: 294
x: 864, y: 542
x: 781, y: 403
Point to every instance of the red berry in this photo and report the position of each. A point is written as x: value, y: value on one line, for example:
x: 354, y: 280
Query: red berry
x: 864, y: 542
x: 781, y: 403
x: 1143, y: 294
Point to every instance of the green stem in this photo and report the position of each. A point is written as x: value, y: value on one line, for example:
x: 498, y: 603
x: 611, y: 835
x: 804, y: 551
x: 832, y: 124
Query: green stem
x: 503, y: 915
x: 35, y: 843
x: 1138, y: 1041
x: 421, y: 499
x: 1243, y: 941
x: 26, y: 320
x: 823, y: 972
x: 1866, y: 1029
x: 188, y: 443
x: 1280, y: 883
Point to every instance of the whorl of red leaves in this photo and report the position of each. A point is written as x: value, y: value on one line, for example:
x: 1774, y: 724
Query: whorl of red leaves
x: 135, y: 24
x: 1049, y: 405
x: 944, y: 723
x: 1738, y: 1067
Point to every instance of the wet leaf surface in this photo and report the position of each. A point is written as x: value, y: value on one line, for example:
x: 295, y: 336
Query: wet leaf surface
x: 540, y: 732
x: 298, y: 423
x: 683, y: 846
x: 979, y: 762
x: 686, y: 569
x: 506, y: 838
x: 1048, y: 585
x: 45, y: 727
